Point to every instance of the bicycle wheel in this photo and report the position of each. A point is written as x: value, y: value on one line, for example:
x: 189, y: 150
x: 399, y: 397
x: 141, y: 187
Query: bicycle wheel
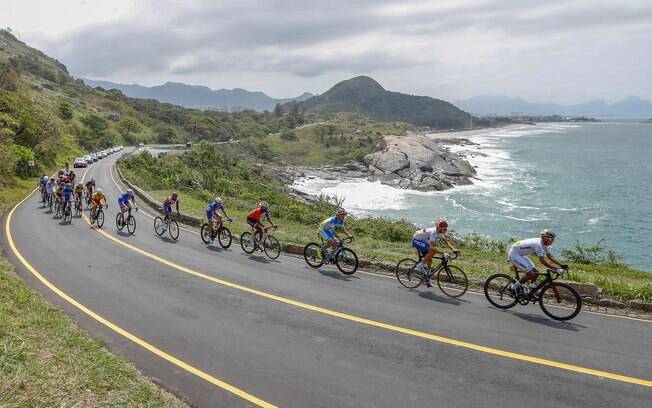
x: 407, y: 273
x: 131, y: 224
x: 205, y: 233
x: 346, y: 261
x: 452, y: 281
x: 99, y: 218
x: 247, y: 243
x: 310, y: 254
x: 78, y: 208
x: 272, y: 247
x: 159, y: 226
x: 119, y: 221
x: 560, y: 301
x: 497, y: 293
x: 67, y: 214
x: 224, y: 237
x: 173, y: 229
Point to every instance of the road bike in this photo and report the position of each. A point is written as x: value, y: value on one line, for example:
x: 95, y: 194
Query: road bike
x: 222, y: 233
x: 557, y: 300
x: 78, y: 208
x: 344, y: 258
x: 89, y: 199
x: 97, y: 216
x: 44, y: 194
x: 267, y: 243
x: 170, y: 225
x: 451, y: 279
x: 50, y: 201
x: 67, y: 212
x: 57, y: 207
x: 130, y: 222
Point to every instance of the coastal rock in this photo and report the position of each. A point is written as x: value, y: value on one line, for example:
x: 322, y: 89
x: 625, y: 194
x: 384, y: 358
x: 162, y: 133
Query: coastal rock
x: 418, y: 162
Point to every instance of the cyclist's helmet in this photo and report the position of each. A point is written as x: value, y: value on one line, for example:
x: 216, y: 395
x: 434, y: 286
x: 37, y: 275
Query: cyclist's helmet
x: 548, y: 234
x: 441, y: 223
x: 99, y: 190
x: 340, y: 211
x: 92, y: 180
x: 130, y: 192
x: 51, y: 179
x: 80, y: 184
x: 175, y: 194
x: 68, y: 184
x: 60, y: 172
x: 263, y: 204
x: 218, y: 200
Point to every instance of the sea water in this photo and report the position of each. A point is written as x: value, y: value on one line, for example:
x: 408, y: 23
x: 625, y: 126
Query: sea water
x: 585, y: 181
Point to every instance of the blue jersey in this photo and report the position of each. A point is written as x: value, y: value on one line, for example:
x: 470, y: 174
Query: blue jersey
x: 332, y: 223
x: 43, y: 180
x: 213, y: 207
x: 124, y: 197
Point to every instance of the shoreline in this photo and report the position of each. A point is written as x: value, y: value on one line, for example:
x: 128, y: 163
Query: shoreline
x: 461, y: 134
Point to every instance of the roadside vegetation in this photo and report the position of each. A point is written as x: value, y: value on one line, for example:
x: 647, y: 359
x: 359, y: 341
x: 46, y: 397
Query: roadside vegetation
x: 209, y: 170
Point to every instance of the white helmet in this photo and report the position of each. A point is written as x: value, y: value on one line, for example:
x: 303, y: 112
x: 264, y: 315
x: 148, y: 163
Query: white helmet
x: 99, y: 190
x: 263, y: 204
x: 340, y: 211
x: 218, y: 200
x: 130, y: 191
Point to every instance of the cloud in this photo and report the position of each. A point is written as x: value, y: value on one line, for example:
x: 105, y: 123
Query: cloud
x: 315, y: 40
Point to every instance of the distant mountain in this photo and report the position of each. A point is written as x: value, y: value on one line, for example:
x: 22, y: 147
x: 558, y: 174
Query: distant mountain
x: 194, y: 96
x: 366, y: 96
x: 631, y: 106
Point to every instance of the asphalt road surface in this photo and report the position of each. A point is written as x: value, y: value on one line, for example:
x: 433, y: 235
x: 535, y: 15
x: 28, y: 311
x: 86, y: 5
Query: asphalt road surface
x: 222, y: 328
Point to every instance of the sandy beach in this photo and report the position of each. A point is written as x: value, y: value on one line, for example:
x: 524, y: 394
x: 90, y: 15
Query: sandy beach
x: 472, y: 132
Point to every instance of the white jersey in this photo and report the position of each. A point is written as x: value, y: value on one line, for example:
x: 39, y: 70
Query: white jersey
x: 529, y: 246
x: 426, y: 234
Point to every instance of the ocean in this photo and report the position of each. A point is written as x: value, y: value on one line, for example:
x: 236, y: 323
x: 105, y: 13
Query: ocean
x: 585, y: 181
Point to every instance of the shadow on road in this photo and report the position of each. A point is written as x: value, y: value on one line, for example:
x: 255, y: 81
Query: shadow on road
x: 167, y: 239
x: 544, y: 320
x: 124, y: 234
x: 442, y: 299
x: 335, y: 274
x: 261, y: 258
x: 216, y: 248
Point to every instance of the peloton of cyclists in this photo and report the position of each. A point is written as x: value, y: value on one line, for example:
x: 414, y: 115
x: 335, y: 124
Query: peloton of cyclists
x: 425, y: 241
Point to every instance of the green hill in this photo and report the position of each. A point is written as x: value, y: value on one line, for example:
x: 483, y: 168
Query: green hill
x: 366, y: 96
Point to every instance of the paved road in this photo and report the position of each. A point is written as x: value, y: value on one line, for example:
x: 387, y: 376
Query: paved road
x: 236, y: 327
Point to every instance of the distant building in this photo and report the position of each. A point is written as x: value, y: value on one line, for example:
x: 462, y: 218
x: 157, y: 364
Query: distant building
x: 235, y: 109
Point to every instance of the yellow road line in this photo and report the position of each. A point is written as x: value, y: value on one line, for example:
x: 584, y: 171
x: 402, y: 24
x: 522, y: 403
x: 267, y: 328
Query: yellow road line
x: 148, y: 346
x: 390, y: 277
x: 386, y: 326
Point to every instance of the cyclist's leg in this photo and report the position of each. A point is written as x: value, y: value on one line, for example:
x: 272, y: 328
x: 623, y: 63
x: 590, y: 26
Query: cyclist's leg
x: 260, y: 230
x: 524, y: 264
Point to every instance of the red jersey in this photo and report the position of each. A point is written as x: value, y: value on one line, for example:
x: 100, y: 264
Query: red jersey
x: 258, y: 213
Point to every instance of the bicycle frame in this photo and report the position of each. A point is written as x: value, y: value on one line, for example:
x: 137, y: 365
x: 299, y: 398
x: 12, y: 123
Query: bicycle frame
x: 548, y: 279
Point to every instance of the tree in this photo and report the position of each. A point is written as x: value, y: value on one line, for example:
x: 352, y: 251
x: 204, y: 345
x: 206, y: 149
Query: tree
x: 65, y: 111
x: 127, y: 126
x: 278, y: 111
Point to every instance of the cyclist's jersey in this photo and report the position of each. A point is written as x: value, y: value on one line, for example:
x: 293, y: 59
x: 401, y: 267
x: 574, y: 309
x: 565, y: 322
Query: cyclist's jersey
x: 332, y: 223
x: 43, y: 181
x: 213, y: 207
x: 58, y: 189
x: 98, y: 197
x: 90, y: 184
x: 426, y: 234
x: 125, y: 197
x: 79, y: 189
x: 49, y: 187
x: 258, y: 213
x: 529, y: 246
x: 170, y: 200
x: 67, y: 192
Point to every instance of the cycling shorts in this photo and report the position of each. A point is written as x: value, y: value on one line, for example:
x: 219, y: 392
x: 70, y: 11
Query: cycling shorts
x: 327, y: 233
x: 253, y: 222
x: 523, y: 263
x: 67, y: 197
x: 167, y: 209
x: 123, y: 203
x: 422, y: 246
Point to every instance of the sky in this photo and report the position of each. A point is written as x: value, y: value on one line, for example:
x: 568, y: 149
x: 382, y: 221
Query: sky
x: 562, y: 51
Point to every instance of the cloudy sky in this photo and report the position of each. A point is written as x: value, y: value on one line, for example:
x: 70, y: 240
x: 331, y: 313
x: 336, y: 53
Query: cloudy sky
x: 560, y: 51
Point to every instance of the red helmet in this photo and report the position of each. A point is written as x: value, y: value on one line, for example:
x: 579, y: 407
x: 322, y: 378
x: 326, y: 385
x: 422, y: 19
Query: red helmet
x: 442, y: 224
x: 175, y: 194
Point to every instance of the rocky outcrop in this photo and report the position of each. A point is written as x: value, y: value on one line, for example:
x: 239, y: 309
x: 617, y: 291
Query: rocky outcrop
x: 418, y: 162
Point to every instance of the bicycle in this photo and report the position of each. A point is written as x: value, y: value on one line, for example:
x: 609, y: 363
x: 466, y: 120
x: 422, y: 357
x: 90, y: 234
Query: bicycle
x: 67, y: 212
x: 267, y: 243
x: 57, y: 207
x: 97, y: 216
x: 89, y: 199
x: 50, y: 201
x: 344, y: 258
x: 558, y: 301
x: 171, y: 226
x: 78, y: 208
x: 451, y: 279
x: 222, y: 233
x: 130, y: 223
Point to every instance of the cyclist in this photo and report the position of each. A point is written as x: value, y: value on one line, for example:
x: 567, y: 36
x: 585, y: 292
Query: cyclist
x: 97, y: 198
x: 425, y: 241
x: 71, y: 177
x: 66, y: 192
x: 541, y: 247
x: 90, y: 185
x: 254, y: 216
x: 167, y: 205
x: 327, y: 230
x: 211, y: 212
x: 49, y: 188
x: 79, y: 192
x: 41, y: 185
x: 125, y: 201
x: 58, y: 188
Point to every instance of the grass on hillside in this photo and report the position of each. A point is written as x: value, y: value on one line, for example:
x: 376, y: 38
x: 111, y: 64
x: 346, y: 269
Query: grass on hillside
x: 47, y: 361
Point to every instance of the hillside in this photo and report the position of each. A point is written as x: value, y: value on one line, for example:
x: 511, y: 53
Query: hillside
x: 366, y: 96
x: 631, y: 106
x: 193, y: 96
